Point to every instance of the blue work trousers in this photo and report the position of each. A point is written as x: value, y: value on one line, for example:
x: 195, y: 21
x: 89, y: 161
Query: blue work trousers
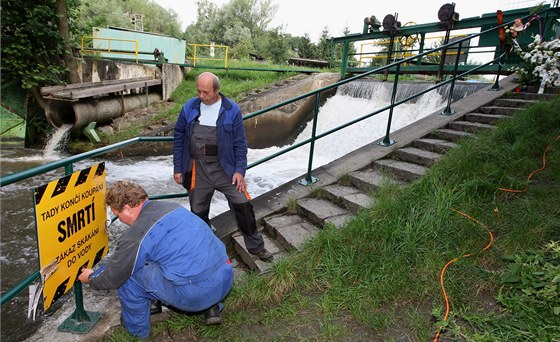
x: 148, y: 283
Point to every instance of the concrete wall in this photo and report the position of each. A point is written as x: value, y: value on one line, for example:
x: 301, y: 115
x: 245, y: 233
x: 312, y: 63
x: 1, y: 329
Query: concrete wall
x: 279, y: 126
x: 95, y: 70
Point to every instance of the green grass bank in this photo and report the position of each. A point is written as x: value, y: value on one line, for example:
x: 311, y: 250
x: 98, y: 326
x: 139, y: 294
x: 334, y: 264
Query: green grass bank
x: 378, y: 278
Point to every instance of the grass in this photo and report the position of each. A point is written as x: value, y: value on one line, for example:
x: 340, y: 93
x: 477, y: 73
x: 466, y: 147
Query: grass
x: 378, y: 278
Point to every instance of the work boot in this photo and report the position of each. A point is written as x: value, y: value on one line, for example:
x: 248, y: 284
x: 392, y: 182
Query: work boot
x: 212, y: 315
x: 264, y: 255
x: 155, y: 307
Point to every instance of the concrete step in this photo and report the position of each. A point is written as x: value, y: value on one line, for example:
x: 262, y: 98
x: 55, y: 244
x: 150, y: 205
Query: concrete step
x: 348, y: 197
x: 471, y: 127
x: 417, y: 156
x: 290, y: 230
x: 401, y: 170
x: 434, y: 145
x: 517, y: 103
x: 253, y: 262
x: 451, y: 134
x: 532, y: 96
x: 499, y: 110
x: 370, y: 180
x: 320, y: 211
x: 489, y: 119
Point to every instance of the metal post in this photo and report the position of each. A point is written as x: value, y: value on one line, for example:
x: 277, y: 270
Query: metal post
x: 421, y: 48
x: 80, y: 321
x: 308, y: 178
x: 496, y: 86
x: 443, y: 54
x: 389, y: 54
x: 344, y: 65
x: 448, y: 110
x: 386, y: 141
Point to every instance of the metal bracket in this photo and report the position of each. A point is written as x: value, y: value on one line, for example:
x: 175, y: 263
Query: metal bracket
x: 306, y: 182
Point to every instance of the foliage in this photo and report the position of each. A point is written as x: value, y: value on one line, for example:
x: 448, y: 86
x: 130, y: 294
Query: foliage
x: 103, y: 13
x: 532, y: 280
x: 31, y: 43
x: 243, y: 22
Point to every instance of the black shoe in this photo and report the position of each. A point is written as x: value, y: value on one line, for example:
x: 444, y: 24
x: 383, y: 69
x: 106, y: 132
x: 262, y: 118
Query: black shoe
x: 264, y: 255
x: 212, y: 315
x: 155, y: 307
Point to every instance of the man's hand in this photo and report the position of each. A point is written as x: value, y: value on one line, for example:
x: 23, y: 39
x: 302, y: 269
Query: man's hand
x: 239, y: 182
x: 84, y: 276
x: 178, y: 178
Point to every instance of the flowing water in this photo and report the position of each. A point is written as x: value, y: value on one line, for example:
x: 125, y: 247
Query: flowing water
x: 18, y: 234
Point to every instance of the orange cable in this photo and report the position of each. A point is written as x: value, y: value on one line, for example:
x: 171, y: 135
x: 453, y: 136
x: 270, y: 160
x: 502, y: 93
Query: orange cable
x: 532, y: 173
x: 452, y: 261
x: 487, y: 246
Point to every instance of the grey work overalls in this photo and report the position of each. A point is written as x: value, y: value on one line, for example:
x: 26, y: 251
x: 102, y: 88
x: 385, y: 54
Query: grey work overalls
x: 207, y: 175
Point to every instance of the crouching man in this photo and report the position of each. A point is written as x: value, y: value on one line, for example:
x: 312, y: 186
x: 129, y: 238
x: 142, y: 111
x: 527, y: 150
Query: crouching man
x: 168, y: 254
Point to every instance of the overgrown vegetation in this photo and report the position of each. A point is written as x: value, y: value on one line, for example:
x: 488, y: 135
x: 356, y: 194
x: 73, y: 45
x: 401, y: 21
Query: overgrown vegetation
x: 379, y: 277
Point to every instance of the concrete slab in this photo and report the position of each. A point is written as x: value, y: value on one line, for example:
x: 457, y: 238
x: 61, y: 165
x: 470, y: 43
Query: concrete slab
x: 318, y: 210
x: 369, y: 180
x: 357, y: 202
x: 401, y: 170
x: 294, y: 236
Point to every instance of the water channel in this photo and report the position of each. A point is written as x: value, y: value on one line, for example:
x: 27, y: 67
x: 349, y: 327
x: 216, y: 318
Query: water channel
x: 19, y: 256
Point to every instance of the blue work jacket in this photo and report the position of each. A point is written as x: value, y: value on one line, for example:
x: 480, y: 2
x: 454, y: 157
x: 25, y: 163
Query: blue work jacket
x: 232, y: 143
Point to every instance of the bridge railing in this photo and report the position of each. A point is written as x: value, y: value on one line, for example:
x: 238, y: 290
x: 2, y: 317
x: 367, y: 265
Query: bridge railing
x: 406, y: 41
x: 68, y: 163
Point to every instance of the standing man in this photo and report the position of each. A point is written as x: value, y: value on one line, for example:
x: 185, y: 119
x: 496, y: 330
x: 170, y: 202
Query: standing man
x: 210, y: 153
x: 168, y: 255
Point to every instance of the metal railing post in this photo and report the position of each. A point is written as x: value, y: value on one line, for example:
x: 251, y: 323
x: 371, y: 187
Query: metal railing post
x: 448, y: 110
x: 496, y: 85
x: 387, y: 141
x: 80, y: 320
x: 309, y: 179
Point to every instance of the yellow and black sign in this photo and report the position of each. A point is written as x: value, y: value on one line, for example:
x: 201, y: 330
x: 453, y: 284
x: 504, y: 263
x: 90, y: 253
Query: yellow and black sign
x: 70, y: 215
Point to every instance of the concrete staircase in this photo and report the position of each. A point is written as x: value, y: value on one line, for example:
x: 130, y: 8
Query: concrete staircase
x: 339, y: 201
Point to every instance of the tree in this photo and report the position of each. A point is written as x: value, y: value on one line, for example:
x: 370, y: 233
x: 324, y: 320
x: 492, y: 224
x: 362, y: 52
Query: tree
x: 324, y: 46
x: 305, y: 48
x: 273, y: 46
x: 103, y: 13
x: 243, y: 25
x: 32, y: 44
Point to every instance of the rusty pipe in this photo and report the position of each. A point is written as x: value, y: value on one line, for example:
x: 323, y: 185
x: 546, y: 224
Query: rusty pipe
x: 80, y: 114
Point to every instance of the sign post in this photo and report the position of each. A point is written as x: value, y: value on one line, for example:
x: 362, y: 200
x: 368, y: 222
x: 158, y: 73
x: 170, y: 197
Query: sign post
x: 70, y: 215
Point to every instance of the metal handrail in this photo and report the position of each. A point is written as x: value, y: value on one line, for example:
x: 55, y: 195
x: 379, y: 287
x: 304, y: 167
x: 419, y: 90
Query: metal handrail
x: 211, y: 58
x: 68, y: 162
x: 108, y: 49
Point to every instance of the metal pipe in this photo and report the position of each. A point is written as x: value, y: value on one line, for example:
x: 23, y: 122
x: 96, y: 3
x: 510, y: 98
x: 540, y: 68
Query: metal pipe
x: 80, y: 114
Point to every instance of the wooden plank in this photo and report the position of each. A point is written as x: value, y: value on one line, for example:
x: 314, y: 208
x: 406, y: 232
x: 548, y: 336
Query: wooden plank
x: 51, y: 89
x: 101, y: 90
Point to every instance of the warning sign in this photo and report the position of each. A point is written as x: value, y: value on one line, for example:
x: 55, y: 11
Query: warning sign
x: 70, y: 216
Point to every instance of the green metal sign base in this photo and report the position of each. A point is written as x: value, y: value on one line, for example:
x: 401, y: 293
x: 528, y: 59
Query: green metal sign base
x: 81, y: 326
